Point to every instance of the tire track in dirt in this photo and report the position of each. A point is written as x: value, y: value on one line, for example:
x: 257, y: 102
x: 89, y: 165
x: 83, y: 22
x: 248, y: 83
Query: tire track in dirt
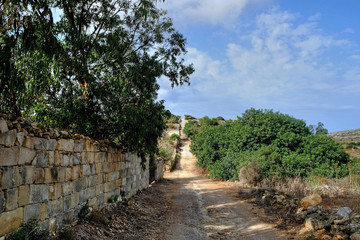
x: 204, y: 209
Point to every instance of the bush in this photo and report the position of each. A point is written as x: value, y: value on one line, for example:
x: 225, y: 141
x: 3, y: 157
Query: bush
x: 30, y: 230
x: 250, y: 174
x: 189, y: 117
x: 165, y: 154
x: 281, y: 145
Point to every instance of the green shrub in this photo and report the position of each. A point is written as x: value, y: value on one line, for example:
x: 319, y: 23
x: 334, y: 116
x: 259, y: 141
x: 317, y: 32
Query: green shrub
x: 189, y: 117
x: 30, y: 230
x: 165, y: 154
x: 113, y: 199
x: 66, y: 233
x: 281, y: 145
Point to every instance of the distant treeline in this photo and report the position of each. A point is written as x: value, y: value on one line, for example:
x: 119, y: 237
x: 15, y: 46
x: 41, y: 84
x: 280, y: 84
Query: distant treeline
x: 280, y: 145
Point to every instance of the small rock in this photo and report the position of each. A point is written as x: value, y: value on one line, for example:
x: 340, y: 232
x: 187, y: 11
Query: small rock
x: 311, y: 200
x: 316, y: 224
x: 354, y: 227
x: 355, y: 236
x: 3, y: 126
x: 344, y: 212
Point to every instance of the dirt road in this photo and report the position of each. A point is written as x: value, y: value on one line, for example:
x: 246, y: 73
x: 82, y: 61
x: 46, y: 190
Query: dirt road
x: 205, y: 209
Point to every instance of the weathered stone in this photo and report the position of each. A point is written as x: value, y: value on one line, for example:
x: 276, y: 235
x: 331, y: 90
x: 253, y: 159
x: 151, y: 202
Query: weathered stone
x: 10, y: 221
x: 11, y: 178
x: 2, y: 202
x: 39, y: 175
x: 26, y: 156
x: 39, y: 193
x: 71, y: 201
x: 354, y: 227
x: 68, y: 174
x: 59, y: 174
x: 52, y: 225
x: 32, y: 212
x: 48, y: 175
x: 86, y: 170
x: 91, y: 181
x: 76, y: 159
x: 29, y: 142
x: 355, y: 236
x: 9, y: 156
x: 44, y: 144
x: 51, y: 155
x: 66, y: 161
x: 54, y: 208
x: 8, y: 138
x: 80, y: 184
x: 11, y: 196
x: 344, y: 212
x: 42, y: 159
x: 79, y: 146
x: 76, y: 172
x: 3, y: 126
x: 55, y: 191
x: 312, y: 200
x: 68, y: 188
x: 100, y: 157
x: 24, y: 195
x: 65, y: 145
x: 20, y: 138
x: 98, y: 168
x: 28, y: 174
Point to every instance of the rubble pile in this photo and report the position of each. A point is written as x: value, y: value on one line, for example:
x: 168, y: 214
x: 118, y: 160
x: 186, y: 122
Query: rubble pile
x: 340, y: 223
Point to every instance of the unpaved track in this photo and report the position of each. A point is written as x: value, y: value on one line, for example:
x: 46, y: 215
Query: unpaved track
x: 205, y: 209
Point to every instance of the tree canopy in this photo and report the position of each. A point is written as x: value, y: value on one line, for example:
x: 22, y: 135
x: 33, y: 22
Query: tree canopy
x: 281, y: 145
x: 90, y: 66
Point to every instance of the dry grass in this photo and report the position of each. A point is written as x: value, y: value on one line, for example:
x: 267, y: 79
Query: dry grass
x: 335, y: 192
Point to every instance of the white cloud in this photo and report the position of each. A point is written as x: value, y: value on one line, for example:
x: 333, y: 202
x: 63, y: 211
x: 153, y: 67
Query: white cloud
x: 211, y: 12
x: 278, y: 64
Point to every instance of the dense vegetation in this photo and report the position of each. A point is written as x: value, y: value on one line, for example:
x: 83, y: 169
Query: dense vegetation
x: 282, y: 146
x: 90, y: 66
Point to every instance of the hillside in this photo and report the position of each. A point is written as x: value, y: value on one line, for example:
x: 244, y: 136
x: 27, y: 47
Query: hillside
x: 346, y: 136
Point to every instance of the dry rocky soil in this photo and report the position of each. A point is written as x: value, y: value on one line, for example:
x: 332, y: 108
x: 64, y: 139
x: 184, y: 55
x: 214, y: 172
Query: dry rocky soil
x: 187, y: 205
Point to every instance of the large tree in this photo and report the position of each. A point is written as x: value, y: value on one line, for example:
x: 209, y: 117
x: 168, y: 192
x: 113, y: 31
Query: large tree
x: 91, y: 66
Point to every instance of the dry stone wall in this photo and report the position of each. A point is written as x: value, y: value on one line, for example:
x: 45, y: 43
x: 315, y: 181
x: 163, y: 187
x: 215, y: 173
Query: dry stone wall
x: 52, y: 179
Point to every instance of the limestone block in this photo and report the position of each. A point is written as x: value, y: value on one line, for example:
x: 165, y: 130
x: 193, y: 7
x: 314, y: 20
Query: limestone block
x: 87, y: 146
x: 355, y: 236
x: 39, y: 175
x: 58, y: 158
x: 98, y: 168
x: 67, y: 188
x: 55, y: 191
x: 76, y: 172
x: 3, y: 126
x: 344, y: 212
x: 20, y: 138
x: 90, y: 157
x: 91, y: 181
x: 93, y: 169
x: 42, y: 159
x: 11, y: 178
x: 93, y: 202
x: 99, y: 189
x: 44, y: 144
x: 65, y: 145
x: 24, y: 195
x: 59, y: 174
x: 312, y: 200
x: 51, y: 155
x: 79, y: 146
x: 80, y: 184
x: 32, y: 212
x: 71, y: 201
x: 2, y: 201
x: 10, y: 221
x: 68, y: 174
x: 76, y: 159
x: 66, y: 161
x: 54, y: 208
x: 26, y: 156
x: 8, y: 138
x: 99, y: 178
x: 48, y: 176
x: 29, y: 142
x: 39, y: 193
x: 9, y: 156
x: 28, y: 174
x: 86, y: 170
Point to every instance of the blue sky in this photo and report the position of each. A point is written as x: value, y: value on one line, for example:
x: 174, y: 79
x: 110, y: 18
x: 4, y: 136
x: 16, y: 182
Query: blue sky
x: 299, y: 57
